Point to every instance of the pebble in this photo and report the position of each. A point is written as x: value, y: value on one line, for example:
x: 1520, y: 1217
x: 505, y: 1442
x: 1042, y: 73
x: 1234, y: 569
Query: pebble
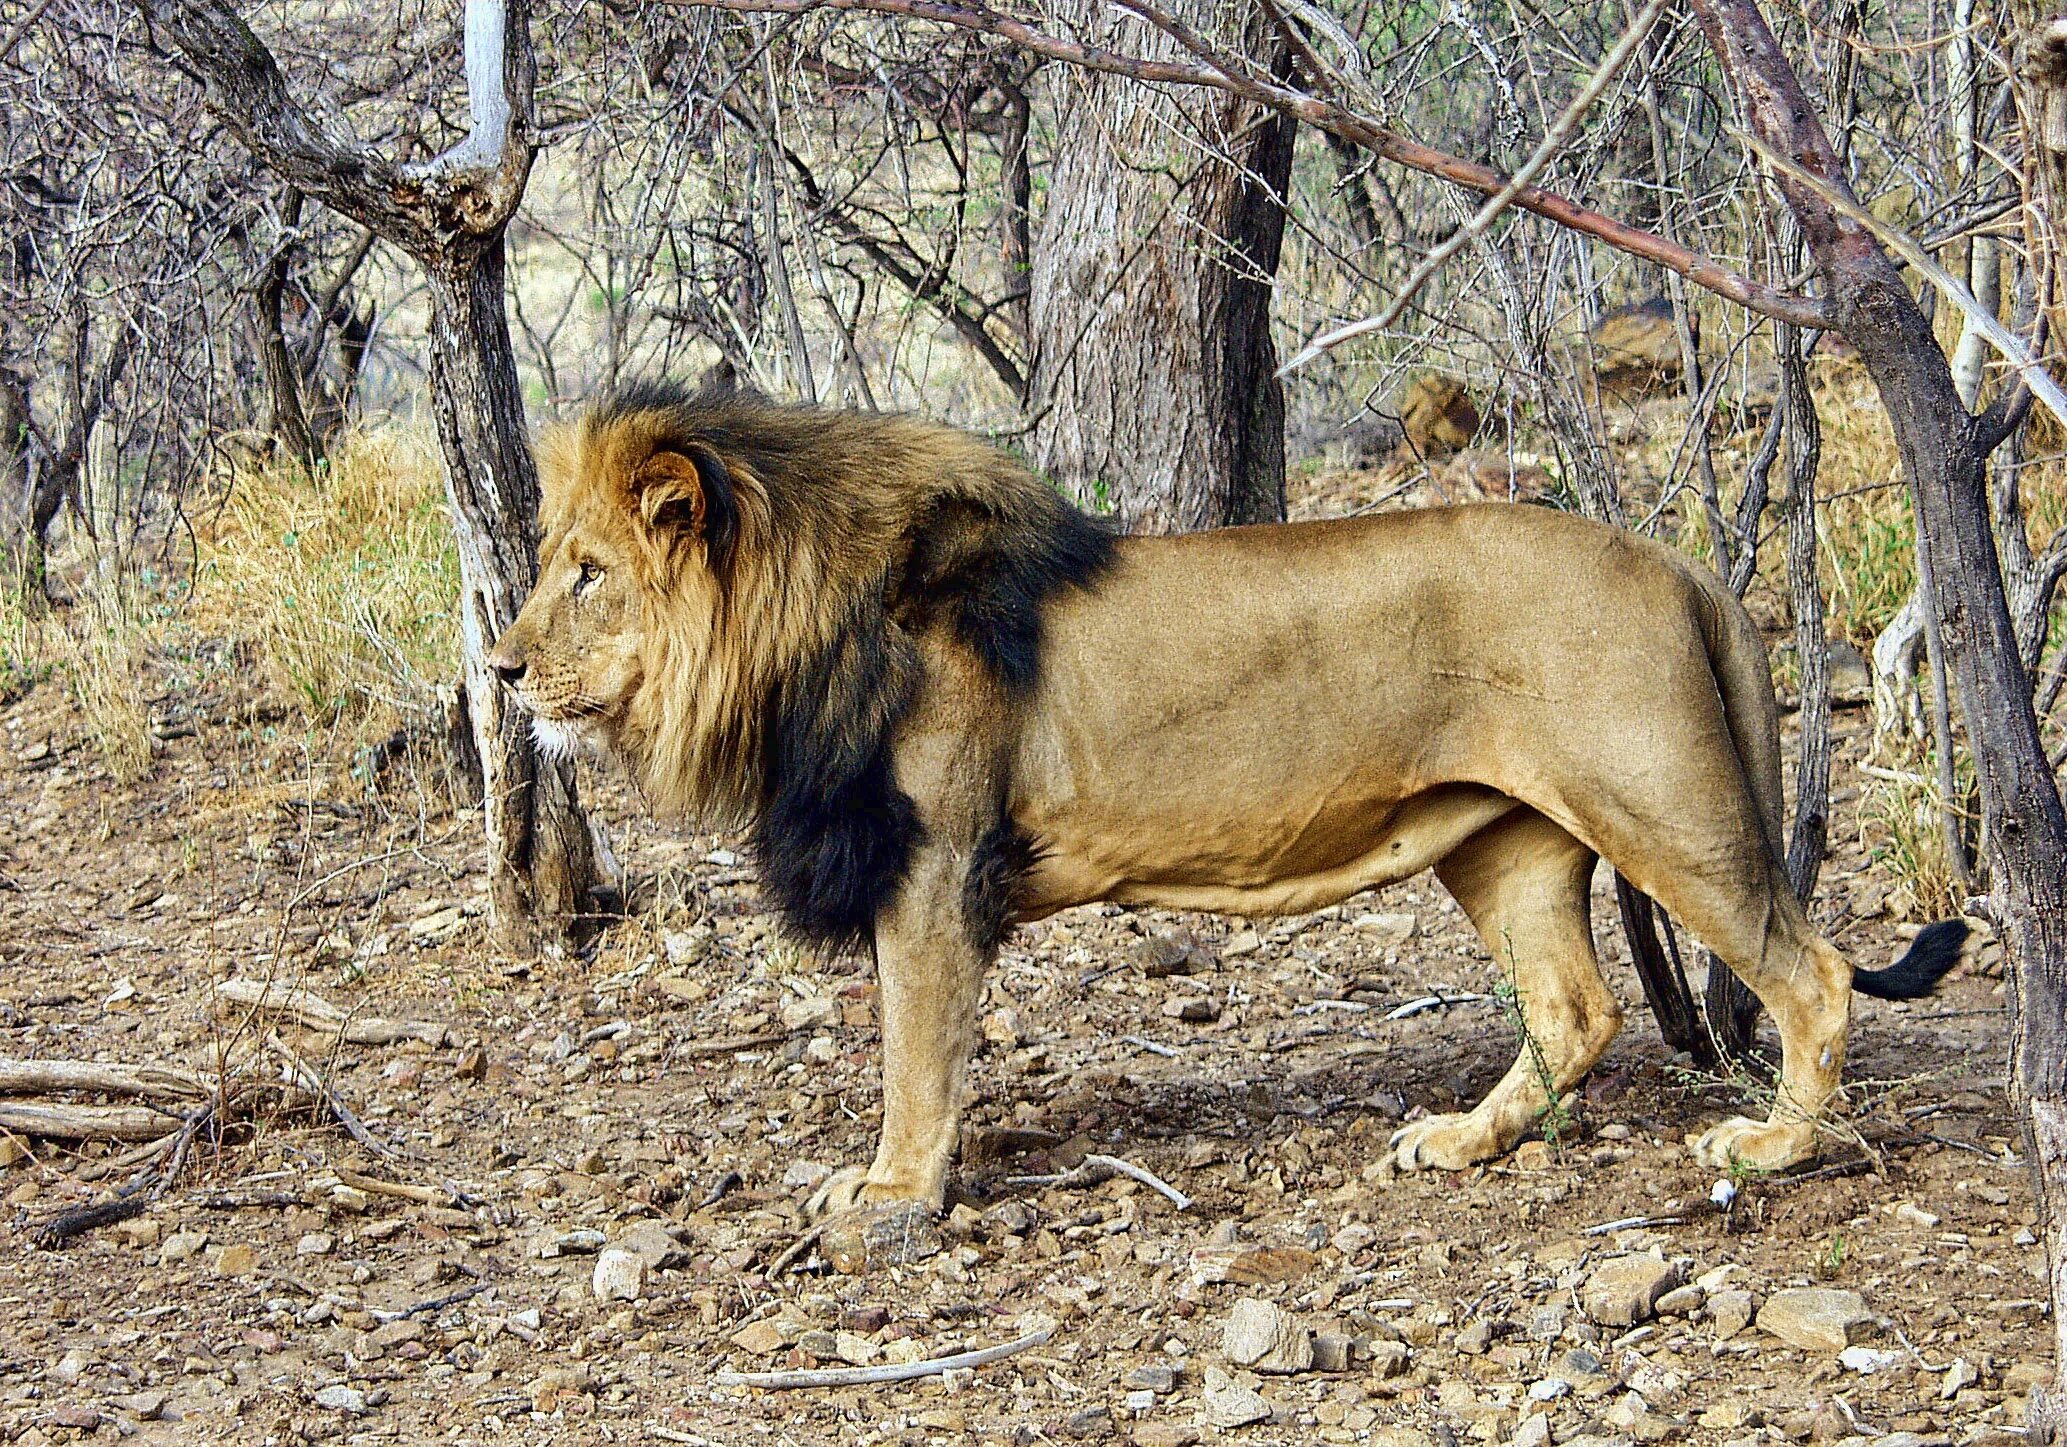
x: 1549, y: 1389
x: 762, y: 1338
x: 1165, y: 1434
x: 315, y: 1243
x: 1731, y: 1312
x: 1158, y: 1379
x: 1533, y: 1432
x: 1389, y: 1358
x: 1476, y: 1339
x: 856, y: 1241
x: 341, y: 1398
x: 1196, y: 1009
x: 1248, y: 1265
x: 75, y: 1415
x: 1866, y: 1361
x: 1140, y: 1401
x: 237, y: 1260
x: 1162, y: 955
x: 620, y: 1275
x: 1959, y: 1375
x: 1242, y: 942
x: 1815, y: 1318
x: 1263, y: 1335
x: 1088, y: 1422
x: 1625, y: 1291
x: 1332, y: 1351
x: 1389, y: 929
x: 180, y: 1245
x: 653, y: 1243
x: 1227, y: 1404
x: 1682, y: 1300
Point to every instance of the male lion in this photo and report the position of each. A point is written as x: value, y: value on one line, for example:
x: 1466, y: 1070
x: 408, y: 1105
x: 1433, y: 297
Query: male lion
x: 942, y: 700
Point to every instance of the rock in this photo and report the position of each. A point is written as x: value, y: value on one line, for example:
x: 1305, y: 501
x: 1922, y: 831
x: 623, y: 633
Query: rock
x: 1475, y: 1340
x: 1138, y: 1402
x: 1088, y: 1423
x: 1004, y: 1027
x: 812, y: 1012
x: 1910, y: 1214
x: 1249, y: 1265
x: 1242, y: 942
x: 315, y: 1243
x: 1815, y: 1318
x: 653, y: 1243
x: 1533, y: 1432
x: 1959, y: 1375
x: 1158, y: 1379
x: 389, y: 1335
x: 1400, y: 1437
x: 1866, y: 1360
x: 1389, y: 1358
x: 471, y: 1065
x: 236, y: 1260
x: 1436, y: 415
x: 1197, y: 1009
x: 554, y: 1383
x: 763, y: 1338
x: 1165, y: 1434
x: 898, y: 1235
x: 1625, y: 1291
x: 1729, y: 1415
x: 584, y: 1241
x: 1263, y: 1335
x: 144, y: 1406
x: 805, y: 1175
x: 1731, y: 1312
x: 1332, y: 1351
x: 1682, y: 1300
x: 180, y: 1245
x: 76, y: 1415
x: 73, y: 1365
x: 620, y: 1275
x: 341, y: 1398
x: 1389, y: 929
x: 1550, y: 1389
x: 1228, y: 1405
x: 1162, y: 955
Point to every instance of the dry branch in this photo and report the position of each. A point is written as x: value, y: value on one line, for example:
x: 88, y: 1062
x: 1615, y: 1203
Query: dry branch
x: 307, y: 1008
x: 1327, y: 115
x: 892, y: 1372
x: 85, y: 1122
x: 31, y: 1077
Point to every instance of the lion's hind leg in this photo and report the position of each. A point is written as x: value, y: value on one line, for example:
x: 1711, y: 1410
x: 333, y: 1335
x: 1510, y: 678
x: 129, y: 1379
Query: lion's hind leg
x: 1524, y: 883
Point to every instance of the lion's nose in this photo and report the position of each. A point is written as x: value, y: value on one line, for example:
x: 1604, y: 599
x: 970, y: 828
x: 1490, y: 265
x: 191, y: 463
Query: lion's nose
x: 508, y: 666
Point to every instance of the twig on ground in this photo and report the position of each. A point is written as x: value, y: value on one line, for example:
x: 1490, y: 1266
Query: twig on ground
x: 889, y: 1372
x: 436, y: 1303
x: 1102, y: 1168
x: 795, y: 1252
x: 309, y: 1009
x: 1433, y: 1002
x: 724, y: 1186
x: 374, y: 1185
x: 729, y: 1044
x: 30, y: 1077
x: 1633, y: 1223
x: 1168, y: 1052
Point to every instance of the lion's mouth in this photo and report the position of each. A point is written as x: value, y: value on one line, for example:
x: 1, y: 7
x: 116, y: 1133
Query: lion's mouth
x: 560, y: 740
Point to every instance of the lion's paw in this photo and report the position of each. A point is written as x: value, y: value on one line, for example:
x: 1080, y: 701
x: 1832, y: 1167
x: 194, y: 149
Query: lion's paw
x: 852, y: 1189
x: 1763, y: 1145
x: 1443, y: 1143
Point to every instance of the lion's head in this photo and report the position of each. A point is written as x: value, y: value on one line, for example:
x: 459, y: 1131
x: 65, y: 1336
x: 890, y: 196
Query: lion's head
x: 730, y: 599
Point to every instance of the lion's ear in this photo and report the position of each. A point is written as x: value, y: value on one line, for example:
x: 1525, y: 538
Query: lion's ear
x: 686, y: 493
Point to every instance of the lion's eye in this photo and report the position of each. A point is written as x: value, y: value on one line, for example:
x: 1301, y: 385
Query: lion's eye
x: 587, y: 578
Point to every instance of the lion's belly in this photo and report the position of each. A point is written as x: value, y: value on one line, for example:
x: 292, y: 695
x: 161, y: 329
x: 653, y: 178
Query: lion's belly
x: 1256, y: 861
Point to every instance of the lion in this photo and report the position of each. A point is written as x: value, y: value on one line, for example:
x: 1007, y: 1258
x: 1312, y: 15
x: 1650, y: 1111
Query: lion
x: 941, y: 700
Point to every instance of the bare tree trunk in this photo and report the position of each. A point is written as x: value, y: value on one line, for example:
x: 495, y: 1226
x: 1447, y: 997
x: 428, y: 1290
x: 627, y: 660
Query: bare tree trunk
x: 283, y: 377
x: 1015, y: 209
x: 1944, y: 452
x: 546, y: 864
x: 1151, y: 299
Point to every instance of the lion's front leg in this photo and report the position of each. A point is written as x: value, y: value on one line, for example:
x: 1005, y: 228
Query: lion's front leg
x: 930, y: 978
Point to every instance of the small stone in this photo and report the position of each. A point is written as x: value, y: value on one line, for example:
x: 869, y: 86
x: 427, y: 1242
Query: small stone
x: 1866, y: 1361
x: 813, y: 1012
x: 866, y: 1319
x: 855, y: 1349
x: 1088, y: 1423
x: 1815, y: 1318
x: 1165, y: 1434
x: 1196, y: 1009
x: 237, y: 1260
x: 341, y: 1398
x: 1625, y: 1291
x: 1401, y: 1437
x: 1959, y: 1375
x: 1729, y: 1415
x: 685, y: 947
x: 897, y: 1235
x: 1332, y: 1351
x: 1354, y: 1237
x: 1162, y: 955
x: 472, y: 1064
x: 1682, y: 1300
x: 180, y: 1245
x: 805, y: 1175
x: 1534, y: 1156
x: 1389, y: 1358
x: 350, y: 1199
x: 1389, y: 929
x: 762, y: 1338
x: 554, y: 1383
x: 1138, y: 1402
x: 144, y: 1406
x: 1243, y: 1265
x: 1158, y: 1379
x: 1549, y: 1389
x: 1233, y: 1405
x: 653, y: 1243
x: 1533, y: 1432
x: 315, y: 1243
x: 1004, y: 1027
x: 70, y: 1367
x: 1730, y: 1312
x: 76, y: 1415
x: 1912, y: 1215
x: 1243, y: 942
x: 620, y: 1275
x: 1263, y: 1335
x: 1475, y: 1340
x: 390, y: 1335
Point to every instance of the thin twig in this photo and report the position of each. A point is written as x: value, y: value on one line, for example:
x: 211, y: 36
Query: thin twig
x: 890, y: 1372
x: 1433, y: 1002
x: 1101, y: 1168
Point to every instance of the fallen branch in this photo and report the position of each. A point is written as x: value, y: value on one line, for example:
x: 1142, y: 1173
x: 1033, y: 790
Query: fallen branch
x: 375, y: 1186
x: 32, y: 1077
x: 436, y: 1303
x: 1433, y: 1002
x: 729, y: 1045
x: 1095, y: 1169
x: 890, y: 1372
x: 309, y: 1009
x: 84, y: 1122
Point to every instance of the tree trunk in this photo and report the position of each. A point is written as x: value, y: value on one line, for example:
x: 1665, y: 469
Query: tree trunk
x: 283, y: 376
x: 543, y: 862
x: 1944, y: 454
x: 1154, y: 382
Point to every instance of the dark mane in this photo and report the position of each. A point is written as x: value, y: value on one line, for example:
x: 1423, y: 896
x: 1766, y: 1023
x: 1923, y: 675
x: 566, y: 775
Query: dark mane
x: 906, y: 525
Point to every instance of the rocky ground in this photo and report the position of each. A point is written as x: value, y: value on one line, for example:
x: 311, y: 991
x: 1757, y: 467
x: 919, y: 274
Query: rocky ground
x: 577, y: 1195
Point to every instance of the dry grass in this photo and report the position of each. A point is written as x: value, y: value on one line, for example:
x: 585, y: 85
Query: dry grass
x: 344, y: 582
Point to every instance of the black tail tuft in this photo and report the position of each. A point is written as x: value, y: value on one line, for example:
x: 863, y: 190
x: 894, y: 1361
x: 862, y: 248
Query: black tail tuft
x: 1934, y: 951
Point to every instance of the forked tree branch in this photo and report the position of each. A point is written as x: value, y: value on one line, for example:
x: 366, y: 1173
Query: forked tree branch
x: 1335, y: 119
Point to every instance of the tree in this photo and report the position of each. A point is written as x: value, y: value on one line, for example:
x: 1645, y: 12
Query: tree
x: 547, y: 866
x: 1154, y: 376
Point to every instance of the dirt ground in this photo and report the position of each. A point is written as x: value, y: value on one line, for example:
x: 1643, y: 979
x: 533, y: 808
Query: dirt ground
x: 683, y: 1088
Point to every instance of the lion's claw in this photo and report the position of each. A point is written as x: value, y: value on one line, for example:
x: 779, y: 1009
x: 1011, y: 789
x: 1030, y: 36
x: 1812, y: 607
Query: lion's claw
x: 1763, y: 1145
x: 1442, y: 1143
